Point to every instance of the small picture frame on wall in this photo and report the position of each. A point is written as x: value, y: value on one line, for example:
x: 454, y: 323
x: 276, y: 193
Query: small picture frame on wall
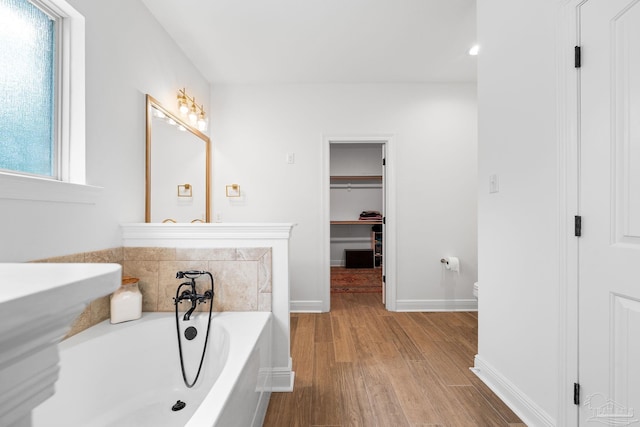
x: 233, y: 190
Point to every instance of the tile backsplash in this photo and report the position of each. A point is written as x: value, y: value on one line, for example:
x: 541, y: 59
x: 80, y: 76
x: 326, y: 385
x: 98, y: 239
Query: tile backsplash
x: 242, y: 278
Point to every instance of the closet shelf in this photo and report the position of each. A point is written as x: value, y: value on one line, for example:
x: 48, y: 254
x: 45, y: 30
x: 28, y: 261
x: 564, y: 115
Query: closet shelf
x: 356, y: 177
x: 356, y: 222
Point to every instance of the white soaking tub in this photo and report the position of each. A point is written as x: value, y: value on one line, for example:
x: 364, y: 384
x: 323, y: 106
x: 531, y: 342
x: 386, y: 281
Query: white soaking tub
x: 128, y: 374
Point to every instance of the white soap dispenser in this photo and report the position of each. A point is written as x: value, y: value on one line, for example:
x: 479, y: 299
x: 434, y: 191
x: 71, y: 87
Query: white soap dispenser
x: 126, y: 302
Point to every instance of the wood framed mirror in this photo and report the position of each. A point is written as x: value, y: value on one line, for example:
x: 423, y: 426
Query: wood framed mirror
x: 178, y: 171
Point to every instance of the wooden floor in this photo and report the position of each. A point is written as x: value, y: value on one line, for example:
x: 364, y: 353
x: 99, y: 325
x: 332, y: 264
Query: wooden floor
x: 350, y: 280
x: 361, y: 365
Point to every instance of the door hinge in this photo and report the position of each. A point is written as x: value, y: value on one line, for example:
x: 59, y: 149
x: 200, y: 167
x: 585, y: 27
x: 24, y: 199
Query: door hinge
x: 576, y: 393
x: 577, y: 225
x: 384, y: 279
x: 384, y: 219
x: 577, y: 57
x: 384, y: 162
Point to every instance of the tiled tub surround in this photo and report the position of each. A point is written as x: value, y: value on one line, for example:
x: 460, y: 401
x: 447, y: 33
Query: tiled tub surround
x: 242, y: 278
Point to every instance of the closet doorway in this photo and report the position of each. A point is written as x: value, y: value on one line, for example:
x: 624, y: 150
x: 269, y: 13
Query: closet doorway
x: 357, y: 216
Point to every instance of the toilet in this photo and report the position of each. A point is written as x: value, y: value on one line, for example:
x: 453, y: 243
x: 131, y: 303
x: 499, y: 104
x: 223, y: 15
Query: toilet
x: 475, y: 290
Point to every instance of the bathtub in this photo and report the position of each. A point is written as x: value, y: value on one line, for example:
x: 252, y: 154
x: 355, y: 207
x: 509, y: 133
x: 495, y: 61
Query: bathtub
x: 129, y: 374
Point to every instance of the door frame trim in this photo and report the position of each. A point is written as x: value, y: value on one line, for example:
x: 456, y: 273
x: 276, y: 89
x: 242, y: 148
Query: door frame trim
x: 568, y: 135
x: 389, y: 211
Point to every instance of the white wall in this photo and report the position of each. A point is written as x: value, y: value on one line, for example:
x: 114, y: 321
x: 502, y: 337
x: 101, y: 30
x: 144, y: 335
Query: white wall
x: 348, y: 159
x: 518, y: 226
x: 128, y: 54
x: 434, y: 128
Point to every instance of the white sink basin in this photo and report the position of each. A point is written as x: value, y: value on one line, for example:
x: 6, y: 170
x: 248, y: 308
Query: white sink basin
x: 38, y: 303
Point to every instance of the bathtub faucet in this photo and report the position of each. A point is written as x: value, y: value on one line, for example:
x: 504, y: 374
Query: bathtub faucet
x: 191, y: 294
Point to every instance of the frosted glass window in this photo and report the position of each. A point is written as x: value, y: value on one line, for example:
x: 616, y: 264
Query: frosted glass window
x: 27, y: 89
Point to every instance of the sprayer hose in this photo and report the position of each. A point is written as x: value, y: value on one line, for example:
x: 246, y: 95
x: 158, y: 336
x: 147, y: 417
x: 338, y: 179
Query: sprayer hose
x: 206, y: 339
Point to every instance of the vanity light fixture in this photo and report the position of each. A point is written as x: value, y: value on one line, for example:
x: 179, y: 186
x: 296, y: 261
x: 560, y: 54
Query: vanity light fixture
x: 188, y: 108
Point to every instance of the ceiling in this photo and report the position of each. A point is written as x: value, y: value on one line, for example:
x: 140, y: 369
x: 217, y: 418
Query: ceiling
x: 324, y: 41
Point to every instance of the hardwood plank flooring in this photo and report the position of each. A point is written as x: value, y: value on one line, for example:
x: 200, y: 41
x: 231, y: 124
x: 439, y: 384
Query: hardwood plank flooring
x: 361, y: 365
x: 356, y: 280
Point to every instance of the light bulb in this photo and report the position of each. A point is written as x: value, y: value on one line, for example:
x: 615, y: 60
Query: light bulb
x: 193, y: 114
x: 202, y: 122
x: 475, y: 49
x: 183, y: 107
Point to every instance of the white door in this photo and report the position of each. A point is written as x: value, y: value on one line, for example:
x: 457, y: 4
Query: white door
x: 609, y: 249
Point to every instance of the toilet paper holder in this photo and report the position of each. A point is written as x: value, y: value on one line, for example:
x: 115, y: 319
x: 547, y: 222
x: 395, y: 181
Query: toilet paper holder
x: 451, y: 263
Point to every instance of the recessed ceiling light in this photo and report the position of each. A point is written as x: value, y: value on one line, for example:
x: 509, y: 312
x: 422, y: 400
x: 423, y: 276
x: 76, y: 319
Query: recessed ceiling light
x: 474, y: 50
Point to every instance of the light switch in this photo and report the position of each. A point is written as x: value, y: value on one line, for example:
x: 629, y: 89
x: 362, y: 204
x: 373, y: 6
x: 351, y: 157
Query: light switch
x: 291, y: 158
x: 494, y: 187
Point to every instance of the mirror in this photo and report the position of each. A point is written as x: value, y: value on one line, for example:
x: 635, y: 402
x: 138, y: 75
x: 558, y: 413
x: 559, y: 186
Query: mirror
x: 177, y: 168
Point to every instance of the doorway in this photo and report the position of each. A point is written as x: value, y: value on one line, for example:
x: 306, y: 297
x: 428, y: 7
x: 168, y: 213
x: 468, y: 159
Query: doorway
x: 356, y: 217
x: 358, y: 237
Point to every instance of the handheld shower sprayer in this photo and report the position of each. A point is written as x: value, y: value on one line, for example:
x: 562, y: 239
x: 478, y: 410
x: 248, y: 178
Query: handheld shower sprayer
x: 190, y: 274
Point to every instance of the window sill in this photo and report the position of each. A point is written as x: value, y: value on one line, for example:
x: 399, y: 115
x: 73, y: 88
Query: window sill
x: 17, y: 187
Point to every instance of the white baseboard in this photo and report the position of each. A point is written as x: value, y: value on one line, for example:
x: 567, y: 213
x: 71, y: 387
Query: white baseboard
x: 401, y: 305
x: 528, y: 411
x: 282, y: 379
x: 305, y: 306
x: 437, y: 305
